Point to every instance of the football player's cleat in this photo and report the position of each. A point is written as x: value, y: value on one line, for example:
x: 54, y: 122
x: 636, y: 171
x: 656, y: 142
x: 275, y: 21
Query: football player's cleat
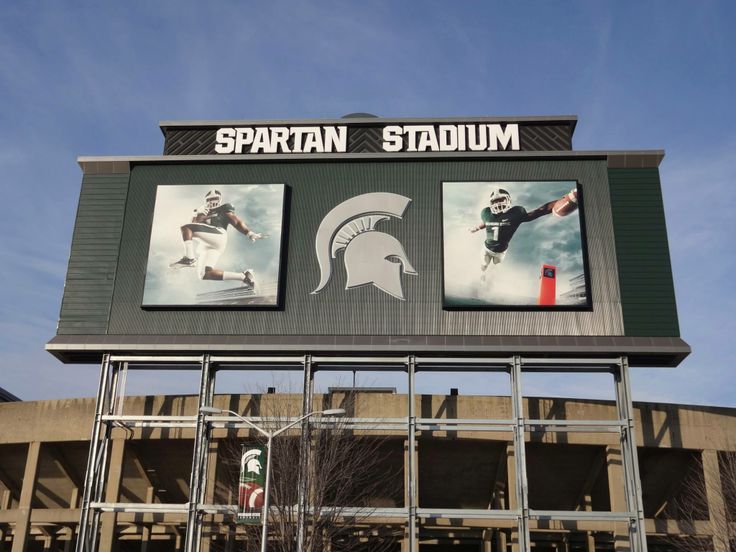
x: 500, y: 201
x: 183, y: 263
x: 213, y: 199
x: 249, y: 278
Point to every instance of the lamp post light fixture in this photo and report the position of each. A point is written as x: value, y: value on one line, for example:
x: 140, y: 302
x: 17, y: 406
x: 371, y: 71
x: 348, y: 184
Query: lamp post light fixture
x: 269, y: 436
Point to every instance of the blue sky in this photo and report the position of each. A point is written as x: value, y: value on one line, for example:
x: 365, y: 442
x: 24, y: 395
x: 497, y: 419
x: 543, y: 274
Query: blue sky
x: 85, y: 78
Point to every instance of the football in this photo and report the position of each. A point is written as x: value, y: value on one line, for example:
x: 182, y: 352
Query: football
x: 566, y: 204
x: 251, y: 496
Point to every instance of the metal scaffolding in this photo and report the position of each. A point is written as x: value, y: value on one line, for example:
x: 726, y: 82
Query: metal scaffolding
x: 108, y: 414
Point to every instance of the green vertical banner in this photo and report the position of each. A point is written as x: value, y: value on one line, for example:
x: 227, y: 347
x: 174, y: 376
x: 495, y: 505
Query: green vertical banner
x: 251, y: 488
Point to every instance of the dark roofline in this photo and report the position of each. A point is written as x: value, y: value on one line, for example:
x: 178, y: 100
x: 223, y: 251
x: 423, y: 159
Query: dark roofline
x: 6, y: 396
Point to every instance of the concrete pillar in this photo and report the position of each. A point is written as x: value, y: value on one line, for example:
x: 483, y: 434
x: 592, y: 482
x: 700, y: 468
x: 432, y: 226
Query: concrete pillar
x: 5, y: 501
x: 617, y: 495
x: 112, y: 491
x: 145, y: 537
x: 485, y: 545
x: 70, y: 541
x: 23, y: 521
x: 589, y: 542
x: 501, y: 541
x: 716, y: 505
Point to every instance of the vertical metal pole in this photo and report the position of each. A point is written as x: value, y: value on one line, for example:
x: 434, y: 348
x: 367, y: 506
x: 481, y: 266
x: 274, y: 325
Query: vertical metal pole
x: 266, y: 501
x: 103, y: 451
x: 195, y: 478
x: 522, y: 489
x: 204, y: 464
x: 630, y: 458
x: 123, y: 380
x: 411, y: 472
x: 304, y: 451
x: 89, y: 480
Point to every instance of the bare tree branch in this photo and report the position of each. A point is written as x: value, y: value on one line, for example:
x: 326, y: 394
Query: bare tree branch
x: 707, y: 506
x: 347, y: 469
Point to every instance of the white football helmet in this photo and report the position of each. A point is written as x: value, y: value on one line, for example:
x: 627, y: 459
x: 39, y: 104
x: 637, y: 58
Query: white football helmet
x: 213, y: 199
x: 500, y: 201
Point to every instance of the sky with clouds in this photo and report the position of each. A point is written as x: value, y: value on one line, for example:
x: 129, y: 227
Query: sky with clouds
x: 86, y: 78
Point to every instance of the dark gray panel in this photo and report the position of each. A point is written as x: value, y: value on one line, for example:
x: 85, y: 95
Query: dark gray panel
x: 90, y: 278
x: 315, y: 189
x: 368, y: 138
x: 642, y: 351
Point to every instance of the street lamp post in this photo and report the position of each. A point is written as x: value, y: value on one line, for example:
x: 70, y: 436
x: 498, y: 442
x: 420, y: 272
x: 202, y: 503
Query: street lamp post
x: 269, y: 436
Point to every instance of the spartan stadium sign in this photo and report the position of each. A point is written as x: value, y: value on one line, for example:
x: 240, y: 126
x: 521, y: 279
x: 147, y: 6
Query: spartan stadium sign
x: 394, y: 138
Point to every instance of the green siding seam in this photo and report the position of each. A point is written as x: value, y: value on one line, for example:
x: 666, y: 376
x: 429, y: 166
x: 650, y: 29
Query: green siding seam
x: 645, y: 274
x: 92, y: 267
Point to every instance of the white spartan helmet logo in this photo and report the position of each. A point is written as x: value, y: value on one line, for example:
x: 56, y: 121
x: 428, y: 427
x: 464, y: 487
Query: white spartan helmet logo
x: 249, y: 462
x: 370, y: 257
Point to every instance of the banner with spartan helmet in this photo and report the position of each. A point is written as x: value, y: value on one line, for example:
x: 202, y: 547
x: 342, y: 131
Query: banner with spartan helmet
x: 252, y: 482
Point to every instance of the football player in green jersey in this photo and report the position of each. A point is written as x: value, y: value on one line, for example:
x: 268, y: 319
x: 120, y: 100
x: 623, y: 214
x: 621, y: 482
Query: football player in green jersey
x: 501, y: 221
x: 209, y: 227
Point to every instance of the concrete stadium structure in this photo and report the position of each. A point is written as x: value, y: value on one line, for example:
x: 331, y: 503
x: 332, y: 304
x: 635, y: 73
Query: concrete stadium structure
x: 44, y: 448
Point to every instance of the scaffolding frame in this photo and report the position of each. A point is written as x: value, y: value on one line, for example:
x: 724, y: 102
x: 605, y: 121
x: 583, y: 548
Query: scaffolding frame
x: 108, y: 414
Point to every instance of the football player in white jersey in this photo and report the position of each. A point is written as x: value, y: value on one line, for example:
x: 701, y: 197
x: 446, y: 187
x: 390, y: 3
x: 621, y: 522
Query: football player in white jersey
x: 209, y: 227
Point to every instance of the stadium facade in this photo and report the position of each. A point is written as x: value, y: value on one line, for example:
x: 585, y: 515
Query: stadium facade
x: 465, y: 473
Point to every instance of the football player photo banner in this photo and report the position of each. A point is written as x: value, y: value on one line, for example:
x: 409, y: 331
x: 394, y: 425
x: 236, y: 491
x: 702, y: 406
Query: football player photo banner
x: 251, y: 484
x: 513, y: 245
x: 215, y: 246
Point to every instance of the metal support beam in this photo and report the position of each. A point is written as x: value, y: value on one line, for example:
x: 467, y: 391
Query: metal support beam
x: 522, y: 489
x: 92, y: 472
x: 304, y: 454
x: 632, y: 481
x: 107, y: 532
x: 411, y: 471
x: 109, y: 413
x: 23, y: 521
x: 199, y: 465
x: 108, y: 405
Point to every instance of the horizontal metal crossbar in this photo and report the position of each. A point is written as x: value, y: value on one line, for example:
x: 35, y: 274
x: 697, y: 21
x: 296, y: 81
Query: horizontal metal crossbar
x: 575, y: 426
x: 457, y: 513
x: 435, y: 424
x: 363, y: 512
x: 353, y: 360
x: 564, y: 515
x: 151, y: 421
x: 575, y: 365
x: 164, y: 359
x: 464, y: 361
x: 291, y: 359
x: 146, y: 417
x: 344, y: 511
x: 139, y: 508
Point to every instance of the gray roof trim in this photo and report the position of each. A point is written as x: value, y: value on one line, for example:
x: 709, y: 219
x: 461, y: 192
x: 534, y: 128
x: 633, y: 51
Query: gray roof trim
x: 569, y: 119
x: 7, y: 396
x: 616, y: 158
x: 643, y: 351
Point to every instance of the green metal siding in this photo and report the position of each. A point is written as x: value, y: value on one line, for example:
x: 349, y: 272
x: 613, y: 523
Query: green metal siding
x: 90, y: 280
x: 642, y: 250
